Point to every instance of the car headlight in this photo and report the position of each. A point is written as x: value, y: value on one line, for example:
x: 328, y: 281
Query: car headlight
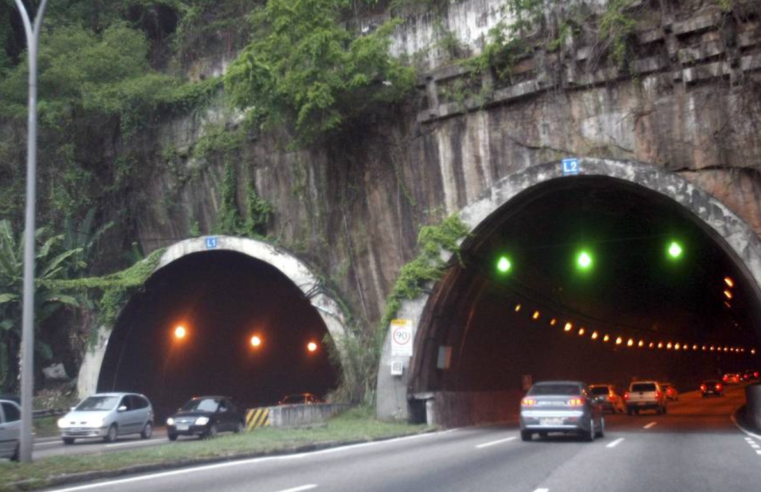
x: 202, y: 421
x: 170, y: 421
x: 62, y: 423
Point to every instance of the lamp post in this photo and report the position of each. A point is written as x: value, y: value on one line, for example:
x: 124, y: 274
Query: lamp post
x: 27, y: 324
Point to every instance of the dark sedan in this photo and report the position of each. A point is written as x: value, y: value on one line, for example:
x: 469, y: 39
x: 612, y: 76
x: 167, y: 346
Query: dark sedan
x: 205, y: 416
x: 561, y: 406
x: 711, y: 387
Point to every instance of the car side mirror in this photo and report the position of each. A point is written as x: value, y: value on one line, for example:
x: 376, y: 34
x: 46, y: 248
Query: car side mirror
x: 122, y: 408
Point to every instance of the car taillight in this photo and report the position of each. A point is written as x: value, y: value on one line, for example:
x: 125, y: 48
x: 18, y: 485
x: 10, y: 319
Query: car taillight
x: 657, y: 394
x: 755, y: 374
x: 703, y: 387
x: 718, y: 387
x: 725, y: 378
x: 575, y: 402
x: 528, y: 402
x: 626, y: 395
x: 611, y: 398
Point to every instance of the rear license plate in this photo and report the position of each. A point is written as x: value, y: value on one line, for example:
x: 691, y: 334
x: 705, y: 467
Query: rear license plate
x: 553, y: 421
x: 183, y: 427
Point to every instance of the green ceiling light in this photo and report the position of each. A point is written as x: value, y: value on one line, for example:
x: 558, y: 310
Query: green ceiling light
x: 584, y: 260
x: 675, y: 250
x: 504, y: 265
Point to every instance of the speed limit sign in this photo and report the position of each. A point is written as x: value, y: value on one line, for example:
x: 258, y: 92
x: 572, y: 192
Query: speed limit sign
x: 401, y: 338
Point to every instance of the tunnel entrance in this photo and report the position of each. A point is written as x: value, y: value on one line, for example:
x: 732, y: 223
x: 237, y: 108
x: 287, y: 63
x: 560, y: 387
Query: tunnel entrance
x: 658, y: 294
x: 222, y: 299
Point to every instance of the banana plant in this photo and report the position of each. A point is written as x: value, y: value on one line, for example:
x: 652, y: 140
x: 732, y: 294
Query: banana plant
x: 52, y: 262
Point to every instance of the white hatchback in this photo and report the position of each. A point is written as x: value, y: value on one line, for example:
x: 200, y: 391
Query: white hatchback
x: 10, y: 427
x: 108, y: 416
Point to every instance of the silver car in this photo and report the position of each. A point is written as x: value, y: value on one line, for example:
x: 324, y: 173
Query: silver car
x: 561, y: 406
x: 108, y: 416
x: 10, y: 424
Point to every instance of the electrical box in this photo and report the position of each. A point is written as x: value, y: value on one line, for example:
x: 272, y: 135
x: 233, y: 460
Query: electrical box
x: 397, y: 368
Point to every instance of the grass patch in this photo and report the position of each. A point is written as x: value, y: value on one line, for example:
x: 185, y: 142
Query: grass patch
x: 46, y: 427
x: 353, y: 425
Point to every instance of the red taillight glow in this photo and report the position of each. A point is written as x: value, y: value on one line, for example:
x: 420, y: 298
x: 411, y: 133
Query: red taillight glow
x: 755, y: 374
x: 575, y: 402
x: 657, y: 394
x: 703, y: 387
x: 528, y: 402
x: 626, y: 395
x: 611, y: 398
x: 718, y: 387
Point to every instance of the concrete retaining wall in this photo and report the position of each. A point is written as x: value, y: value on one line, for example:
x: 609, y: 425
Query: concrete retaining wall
x: 753, y: 408
x: 456, y: 409
x: 299, y: 415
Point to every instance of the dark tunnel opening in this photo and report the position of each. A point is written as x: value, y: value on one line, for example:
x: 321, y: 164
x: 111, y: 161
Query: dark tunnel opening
x: 487, y: 330
x: 222, y: 299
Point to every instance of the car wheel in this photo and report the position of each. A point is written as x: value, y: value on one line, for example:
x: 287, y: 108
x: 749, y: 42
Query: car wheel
x: 589, y: 436
x: 212, y: 432
x: 601, y: 430
x: 172, y: 437
x: 112, y: 434
x: 147, y: 431
x: 636, y: 411
x: 68, y: 440
x: 239, y: 428
x: 544, y: 434
x: 659, y: 410
x: 665, y: 409
x: 17, y: 453
x: 629, y: 412
x: 526, y: 436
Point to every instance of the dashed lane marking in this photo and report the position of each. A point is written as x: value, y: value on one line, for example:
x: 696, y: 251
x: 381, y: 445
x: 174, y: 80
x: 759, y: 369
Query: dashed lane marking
x: 615, y: 443
x: 650, y: 425
x: 542, y: 490
x: 299, y: 489
x: 487, y: 444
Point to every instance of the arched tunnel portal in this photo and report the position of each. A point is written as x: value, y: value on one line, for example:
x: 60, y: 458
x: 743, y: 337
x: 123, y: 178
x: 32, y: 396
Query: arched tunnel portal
x: 668, y: 290
x: 248, y: 313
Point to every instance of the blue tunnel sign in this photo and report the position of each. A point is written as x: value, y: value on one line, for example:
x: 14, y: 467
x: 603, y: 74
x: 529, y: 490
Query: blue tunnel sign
x: 570, y: 167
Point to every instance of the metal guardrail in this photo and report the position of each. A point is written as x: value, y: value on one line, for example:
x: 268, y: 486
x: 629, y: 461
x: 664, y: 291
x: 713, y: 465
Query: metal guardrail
x: 55, y: 412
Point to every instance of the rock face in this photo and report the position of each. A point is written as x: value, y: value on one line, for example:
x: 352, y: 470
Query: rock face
x: 353, y: 205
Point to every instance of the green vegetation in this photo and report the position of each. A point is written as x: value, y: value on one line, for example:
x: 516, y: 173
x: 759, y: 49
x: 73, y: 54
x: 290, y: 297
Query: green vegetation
x: 351, y: 426
x: 52, y: 262
x: 616, y: 30
x: 305, y: 70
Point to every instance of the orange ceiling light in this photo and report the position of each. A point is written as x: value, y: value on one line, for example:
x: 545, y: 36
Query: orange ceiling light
x: 728, y: 294
x: 568, y: 326
x: 595, y: 335
x: 536, y: 315
x: 729, y: 281
x: 180, y: 332
x: 582, y: 331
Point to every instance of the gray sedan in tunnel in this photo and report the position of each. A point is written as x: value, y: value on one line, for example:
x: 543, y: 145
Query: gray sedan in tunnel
x: 561, y: 406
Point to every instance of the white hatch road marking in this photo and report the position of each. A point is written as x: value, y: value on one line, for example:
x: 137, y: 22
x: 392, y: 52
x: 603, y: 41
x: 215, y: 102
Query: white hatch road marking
x: 299, y: 489
x: 650, y: 425
x: 758, y: 452
x: 137, y: 443
x: 737, y: 424
x: 486, y: 445
x: 615, y: 443
x: 251, y: 461
x: 542, y: 490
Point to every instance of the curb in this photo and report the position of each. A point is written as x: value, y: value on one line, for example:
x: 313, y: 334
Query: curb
x: 83, y: 477
x: 740, y: 423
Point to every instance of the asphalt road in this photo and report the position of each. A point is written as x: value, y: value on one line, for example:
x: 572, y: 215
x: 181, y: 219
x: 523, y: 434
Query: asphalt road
x: 695, y: 447
x: 53, y: 446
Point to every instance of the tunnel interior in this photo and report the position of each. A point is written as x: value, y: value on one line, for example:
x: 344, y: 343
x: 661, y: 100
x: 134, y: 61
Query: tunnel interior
x: 517, y: 306
x: 222, y: 299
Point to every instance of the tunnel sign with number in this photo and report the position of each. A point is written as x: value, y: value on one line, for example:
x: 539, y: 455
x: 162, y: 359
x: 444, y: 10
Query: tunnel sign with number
x: 401, y: 338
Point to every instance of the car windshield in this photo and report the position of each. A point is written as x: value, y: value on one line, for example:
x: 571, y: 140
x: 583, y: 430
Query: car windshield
x: 599, y: 390
x: 201, y: 405
x: 643, y: 387
x: 97, y: 404
x: 665, y: 386
x: 710, y: 383
x: 555, y: 389
x: 293, y: 399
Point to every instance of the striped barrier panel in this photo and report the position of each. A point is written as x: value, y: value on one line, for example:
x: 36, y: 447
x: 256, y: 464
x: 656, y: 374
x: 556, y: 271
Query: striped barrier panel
x: 257, y: 417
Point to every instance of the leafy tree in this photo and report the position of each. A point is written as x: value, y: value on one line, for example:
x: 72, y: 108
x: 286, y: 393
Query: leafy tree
x: 306, y: 70
x: 53, y: 262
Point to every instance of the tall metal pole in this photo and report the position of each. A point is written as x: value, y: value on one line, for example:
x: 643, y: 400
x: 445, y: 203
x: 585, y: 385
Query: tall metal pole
x: 27, y: 324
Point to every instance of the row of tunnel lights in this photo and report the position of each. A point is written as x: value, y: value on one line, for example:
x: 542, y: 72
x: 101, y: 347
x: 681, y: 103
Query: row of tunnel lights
x: 631, y: 342
x: 256, y: 341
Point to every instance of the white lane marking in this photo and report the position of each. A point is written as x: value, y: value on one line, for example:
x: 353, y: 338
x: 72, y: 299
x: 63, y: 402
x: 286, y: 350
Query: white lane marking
x: 650, y: 425
x: 744, y: 431
x: 228, y: 464
x: 758, y: 452
x: 48, y: 444
x: 299, y: 489
x: 542, y: 490
x: 615, y: 443
x: 486, y: 445
x: 136, y: 443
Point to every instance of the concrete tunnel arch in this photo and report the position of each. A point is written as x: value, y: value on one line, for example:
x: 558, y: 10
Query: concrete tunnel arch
x: 298, y: 272
x: 730, y: 232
